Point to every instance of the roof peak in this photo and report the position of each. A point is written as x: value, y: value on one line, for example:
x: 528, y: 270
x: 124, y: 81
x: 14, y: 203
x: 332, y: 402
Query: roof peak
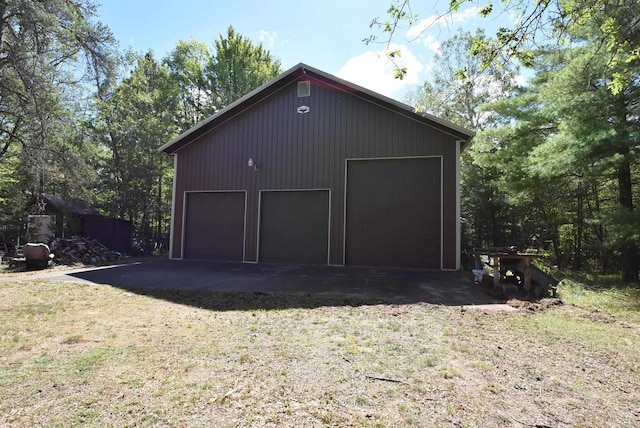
x: 293, y: 74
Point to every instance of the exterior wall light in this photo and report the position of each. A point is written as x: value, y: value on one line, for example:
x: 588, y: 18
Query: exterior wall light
x: 252, y: 164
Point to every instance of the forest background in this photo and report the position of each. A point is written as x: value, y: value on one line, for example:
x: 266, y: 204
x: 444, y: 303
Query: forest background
x: 553, y: 167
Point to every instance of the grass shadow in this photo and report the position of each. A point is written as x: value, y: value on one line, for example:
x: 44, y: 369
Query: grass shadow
x: 248, y: 301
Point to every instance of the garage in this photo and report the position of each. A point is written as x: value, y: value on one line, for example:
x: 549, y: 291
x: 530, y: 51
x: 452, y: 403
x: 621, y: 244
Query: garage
x: 393, y: 212
x: 214, y: 225
x: 294, y: 226
x: 331, y: 173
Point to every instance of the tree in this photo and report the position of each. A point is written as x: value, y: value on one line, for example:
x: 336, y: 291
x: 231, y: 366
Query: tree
x: 237, y: 68
x: 209, y: 82
x: 569, y: 146
x: 135, y: 118
x: 459, y: 89
x: 461, y: 85
x: 615, y: 21
x: 536, y: 204
x: 598, y: 131
x: 51, y: 53
x: 13, y: 198
x: 187, y: 64
x: 46, y: 49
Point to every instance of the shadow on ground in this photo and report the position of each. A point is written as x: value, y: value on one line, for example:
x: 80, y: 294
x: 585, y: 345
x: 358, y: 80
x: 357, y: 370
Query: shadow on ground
x: 225, y: 286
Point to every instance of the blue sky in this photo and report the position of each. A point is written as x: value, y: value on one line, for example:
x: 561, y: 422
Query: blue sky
x: 324, y: 34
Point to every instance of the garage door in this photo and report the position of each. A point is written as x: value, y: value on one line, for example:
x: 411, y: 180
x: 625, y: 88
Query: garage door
x: 214, y: 226
x: 393, y: 212
x: 294, y: 226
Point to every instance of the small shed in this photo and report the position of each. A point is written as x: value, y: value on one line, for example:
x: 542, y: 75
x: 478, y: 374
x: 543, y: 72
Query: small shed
x: 77, y: 217
x: 67, y: 211
x: 310, y: 168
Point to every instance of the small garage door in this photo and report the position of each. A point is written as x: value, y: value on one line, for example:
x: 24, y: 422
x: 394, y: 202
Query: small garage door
x: 393, y: 212
x: 214, y: 225
x: 294, y: 226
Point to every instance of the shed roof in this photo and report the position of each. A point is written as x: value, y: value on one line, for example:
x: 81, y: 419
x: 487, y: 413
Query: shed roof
x: 300, y: 72
x: 66, y: 205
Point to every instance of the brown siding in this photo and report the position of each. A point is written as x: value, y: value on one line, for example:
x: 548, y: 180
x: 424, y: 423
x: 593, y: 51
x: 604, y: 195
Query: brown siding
x: 295, y: 151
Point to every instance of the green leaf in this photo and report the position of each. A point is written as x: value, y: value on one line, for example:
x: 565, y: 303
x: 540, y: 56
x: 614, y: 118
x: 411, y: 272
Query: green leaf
x: 399, y: 73
x: 486, y: 10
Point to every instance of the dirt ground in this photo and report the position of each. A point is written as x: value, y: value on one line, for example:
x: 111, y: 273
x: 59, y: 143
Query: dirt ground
x: 76, y: 354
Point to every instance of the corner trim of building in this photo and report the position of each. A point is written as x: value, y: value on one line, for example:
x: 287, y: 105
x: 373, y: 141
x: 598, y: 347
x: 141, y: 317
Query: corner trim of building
x: 173, y: 206
x: 459, y: 143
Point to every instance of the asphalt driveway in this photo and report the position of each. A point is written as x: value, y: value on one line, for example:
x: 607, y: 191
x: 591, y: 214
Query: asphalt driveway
x: 384, y: 285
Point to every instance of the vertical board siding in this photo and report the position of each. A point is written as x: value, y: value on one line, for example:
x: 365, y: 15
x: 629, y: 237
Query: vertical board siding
x: 308, y: 151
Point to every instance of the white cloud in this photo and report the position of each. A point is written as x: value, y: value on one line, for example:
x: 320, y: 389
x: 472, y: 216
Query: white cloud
x: 419, y: 30
x: 428, y: 68
x: 268, y: 38
x: 374, y: 71
x: 432, y: 43
x: 423, y: 25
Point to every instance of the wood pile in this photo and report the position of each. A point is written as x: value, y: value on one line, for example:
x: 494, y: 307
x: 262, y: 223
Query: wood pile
x: 70, y: 251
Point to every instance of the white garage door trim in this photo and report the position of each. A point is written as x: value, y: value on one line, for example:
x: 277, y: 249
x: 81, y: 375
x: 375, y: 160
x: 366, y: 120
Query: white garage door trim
x: 173, y: 208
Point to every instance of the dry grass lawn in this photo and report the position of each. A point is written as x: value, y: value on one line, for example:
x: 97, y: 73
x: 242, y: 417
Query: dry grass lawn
x: 86, y: 355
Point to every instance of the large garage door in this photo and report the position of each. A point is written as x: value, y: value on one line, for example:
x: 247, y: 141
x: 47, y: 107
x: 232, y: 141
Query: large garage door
x: 393, y: 212
x: 214, y: 226
x: 294, y: 226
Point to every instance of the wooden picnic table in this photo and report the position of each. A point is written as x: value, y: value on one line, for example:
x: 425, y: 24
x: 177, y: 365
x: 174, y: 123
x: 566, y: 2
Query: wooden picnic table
x: 524, y: 273
x: 504, y: 261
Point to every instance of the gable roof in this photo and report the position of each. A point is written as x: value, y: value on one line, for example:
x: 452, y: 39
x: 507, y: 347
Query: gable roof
x: 64, y: 205
x: 304, y: 71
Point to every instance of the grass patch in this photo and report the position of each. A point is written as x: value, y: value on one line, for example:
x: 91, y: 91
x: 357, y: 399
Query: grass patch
x: 450, y: 372
x: 494, y: 388
x: 614, y: 299
x: 84, y: 355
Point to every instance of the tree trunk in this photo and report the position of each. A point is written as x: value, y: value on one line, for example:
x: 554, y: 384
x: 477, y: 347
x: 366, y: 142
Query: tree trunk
x: 628, y: 253
x: 579, y: 229
x: 159, y: 208
x: 629, y: 260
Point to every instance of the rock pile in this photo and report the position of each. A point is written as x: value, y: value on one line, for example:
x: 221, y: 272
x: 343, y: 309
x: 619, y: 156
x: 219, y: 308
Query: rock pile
x: 69, y: 251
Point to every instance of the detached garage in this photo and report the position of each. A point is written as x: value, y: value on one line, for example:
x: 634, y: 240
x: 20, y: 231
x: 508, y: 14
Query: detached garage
x: 312, y: 169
